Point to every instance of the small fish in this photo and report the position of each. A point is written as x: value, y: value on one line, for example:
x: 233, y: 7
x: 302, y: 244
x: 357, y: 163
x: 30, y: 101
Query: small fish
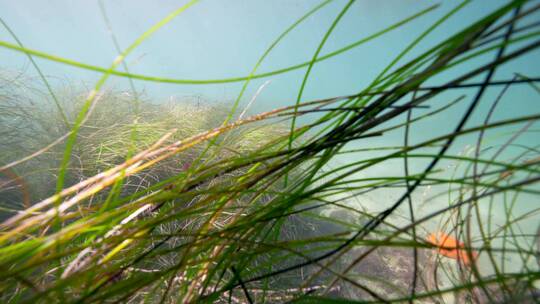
x: 506, y: 174
x: 450, y: 247
x: 186, y: 166
x: 530, y: 162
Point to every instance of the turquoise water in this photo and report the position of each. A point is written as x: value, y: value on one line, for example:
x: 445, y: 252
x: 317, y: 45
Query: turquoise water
x: 223, y: 39
x: 218, y: 39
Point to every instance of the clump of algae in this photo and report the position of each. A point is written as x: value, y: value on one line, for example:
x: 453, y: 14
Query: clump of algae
x: 119, y: 125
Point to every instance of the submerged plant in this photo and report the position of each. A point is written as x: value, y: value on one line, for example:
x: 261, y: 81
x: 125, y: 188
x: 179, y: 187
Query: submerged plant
x: 196, y: 204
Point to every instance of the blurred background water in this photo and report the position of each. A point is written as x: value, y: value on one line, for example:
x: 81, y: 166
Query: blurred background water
x: 221, y: 39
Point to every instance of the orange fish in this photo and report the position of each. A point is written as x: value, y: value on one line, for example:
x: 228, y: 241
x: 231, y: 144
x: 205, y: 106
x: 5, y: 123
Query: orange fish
x: 450, y: 247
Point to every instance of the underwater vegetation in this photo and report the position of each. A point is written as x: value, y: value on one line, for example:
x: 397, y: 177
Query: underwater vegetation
x: 111, y: 197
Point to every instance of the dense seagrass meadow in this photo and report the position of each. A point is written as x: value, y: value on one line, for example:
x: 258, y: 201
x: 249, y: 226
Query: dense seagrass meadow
x: 317, y: 177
